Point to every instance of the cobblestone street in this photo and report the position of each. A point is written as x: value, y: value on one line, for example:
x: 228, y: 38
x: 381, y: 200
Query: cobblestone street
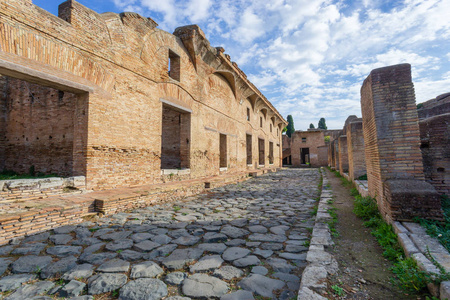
x: 236, y: 242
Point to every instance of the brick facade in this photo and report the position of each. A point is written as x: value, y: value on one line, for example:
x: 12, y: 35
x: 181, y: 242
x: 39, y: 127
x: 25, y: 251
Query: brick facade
x: 305, y: 147
x: 391, y: 136
x: 114, y: 72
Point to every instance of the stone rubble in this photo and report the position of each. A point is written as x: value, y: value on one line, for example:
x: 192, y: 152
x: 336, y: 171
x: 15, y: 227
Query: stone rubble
x: 249, y: 236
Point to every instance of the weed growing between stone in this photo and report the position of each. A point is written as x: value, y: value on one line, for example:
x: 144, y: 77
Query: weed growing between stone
x: 440, y: 230
x: 408, y: 276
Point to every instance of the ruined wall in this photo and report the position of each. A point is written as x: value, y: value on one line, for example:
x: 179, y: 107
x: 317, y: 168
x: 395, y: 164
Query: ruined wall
x: 37, y: 128
x: 307, y: 139
x: 122, y: 61
x: 433, y: 107
x: 391, y: 136
x: 343, y: 154
x: 323, y: 155
x: 336, y: 154
x: 355, y: 148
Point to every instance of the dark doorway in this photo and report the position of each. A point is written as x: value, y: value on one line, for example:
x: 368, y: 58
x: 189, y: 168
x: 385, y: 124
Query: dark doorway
x: 249, y: 149
x: 270, y: 152
x: 261, y: 151
x: 223, y: 150
x: 304, y: 156
x: 175, y: 138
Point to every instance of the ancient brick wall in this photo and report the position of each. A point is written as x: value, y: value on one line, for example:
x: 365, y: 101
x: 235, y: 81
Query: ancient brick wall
x: 118, y: 67
x: 343, y: 154
x: 435, y: 147
x: 336, y: 154
x: 310, y: 140
x: 355, y: 148
x: 391, y: 137
x: 435, y: 143
x: 38, y: 128
x: 322, y: 152
x: 433, y: 107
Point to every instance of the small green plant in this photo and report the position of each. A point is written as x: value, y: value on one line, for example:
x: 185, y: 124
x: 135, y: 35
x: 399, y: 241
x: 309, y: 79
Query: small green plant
x: 314, y: 210
x: 119, y: 251
x: 38, y: 270
x: 408, y: 276
x: 93, y: 229
x: 306, y: 243
x: 176, y: 208
x: 362, y: 177
x: 354, y: 192
x: 337, y: 290
x: 440, y: 230
x: 60, y: 281
x: 115, y: 293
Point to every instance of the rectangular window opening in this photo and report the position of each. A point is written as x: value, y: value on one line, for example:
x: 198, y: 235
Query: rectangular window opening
x: 270, y: 128
x: 223, y: 151
x: 249, y: 149
x: 260, y: 122
x: 261, y: 151
x: 248, y: 114
x: 174, y: 65
x: 303, y: 140
x: 175, y: 138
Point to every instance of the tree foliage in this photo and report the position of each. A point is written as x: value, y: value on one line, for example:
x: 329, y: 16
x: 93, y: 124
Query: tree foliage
x: 322, y: 124
x: 311, y: 126
x: 290, y: 128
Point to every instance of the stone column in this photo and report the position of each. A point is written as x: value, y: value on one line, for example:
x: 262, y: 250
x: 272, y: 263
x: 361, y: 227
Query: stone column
x: 391, y: 136
x: 355, y: 148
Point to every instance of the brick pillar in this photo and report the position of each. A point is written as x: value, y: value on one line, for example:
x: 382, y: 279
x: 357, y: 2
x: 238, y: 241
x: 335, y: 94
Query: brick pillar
x: 355, y: 148
x: 336, y: 154
x: 343, y: 154
x: 391, y: 136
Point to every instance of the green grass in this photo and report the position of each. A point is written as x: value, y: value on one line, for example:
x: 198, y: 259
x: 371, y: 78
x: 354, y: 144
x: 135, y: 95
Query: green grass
x: 440, y: 230
x: 362, y: 177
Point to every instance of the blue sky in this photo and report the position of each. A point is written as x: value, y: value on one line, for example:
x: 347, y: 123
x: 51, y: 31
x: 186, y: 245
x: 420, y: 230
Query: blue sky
x: 310, y: 57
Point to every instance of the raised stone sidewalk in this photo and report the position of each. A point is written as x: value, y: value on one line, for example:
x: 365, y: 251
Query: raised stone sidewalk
x: 241, y: 241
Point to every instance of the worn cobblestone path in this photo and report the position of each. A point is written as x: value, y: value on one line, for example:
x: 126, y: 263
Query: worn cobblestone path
x: 241, y: 241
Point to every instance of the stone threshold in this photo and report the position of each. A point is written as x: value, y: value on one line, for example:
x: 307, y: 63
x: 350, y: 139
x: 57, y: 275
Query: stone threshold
x: 55, y: 211
x: 419, y: 245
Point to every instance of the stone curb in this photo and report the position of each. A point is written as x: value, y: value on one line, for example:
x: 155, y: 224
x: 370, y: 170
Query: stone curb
x: 416, y: 243
x: 320, y: 262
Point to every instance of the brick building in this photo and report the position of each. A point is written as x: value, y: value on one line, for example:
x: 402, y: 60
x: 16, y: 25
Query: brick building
x: 115, y: 99
x: 308, y: 148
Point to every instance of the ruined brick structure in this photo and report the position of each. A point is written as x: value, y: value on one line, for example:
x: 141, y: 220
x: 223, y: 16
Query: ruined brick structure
x: 391, y: 137
x: 307, y: 148
x: 434, y: 122
x: 355, y: 148
x: 343, y: 154
x: 115, y: 99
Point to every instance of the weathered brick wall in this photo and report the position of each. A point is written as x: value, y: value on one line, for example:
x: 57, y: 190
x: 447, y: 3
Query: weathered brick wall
x: 391, y: 136
x: 343, y: 154
x: 322, y: 152
x: 307, y: 139
x: 122, y: 60
x: 336, y: 154
x: 355, y: 148
x: 433, y: 107
x: 435, y: 147
x: 435, y: 144
x: 38, y: 129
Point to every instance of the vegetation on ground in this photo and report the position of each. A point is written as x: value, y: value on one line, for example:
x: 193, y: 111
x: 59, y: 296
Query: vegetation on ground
x: 408, y: 276
x: 10, y: 175
x: 440, y: 230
